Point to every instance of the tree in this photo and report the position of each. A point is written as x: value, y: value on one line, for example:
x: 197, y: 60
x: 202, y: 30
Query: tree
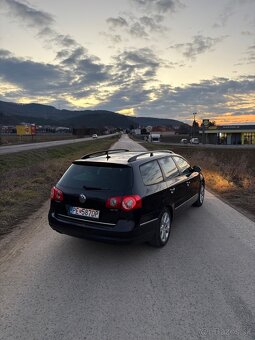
x: 210, y: 123
x: 213, y: 123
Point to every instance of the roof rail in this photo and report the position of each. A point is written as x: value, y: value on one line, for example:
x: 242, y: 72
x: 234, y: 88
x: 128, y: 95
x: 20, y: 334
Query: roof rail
x: 151, y: 153
x: 103, y: 152
x: 168, y: 151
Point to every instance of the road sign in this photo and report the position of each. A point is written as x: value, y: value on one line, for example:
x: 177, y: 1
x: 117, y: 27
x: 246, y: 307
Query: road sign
x: 206, y: 122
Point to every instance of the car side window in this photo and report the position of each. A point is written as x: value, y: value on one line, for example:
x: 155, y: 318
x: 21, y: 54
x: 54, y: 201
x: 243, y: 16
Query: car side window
x: 168, y: 166
x: 182, y: 164
x: 151, y: 173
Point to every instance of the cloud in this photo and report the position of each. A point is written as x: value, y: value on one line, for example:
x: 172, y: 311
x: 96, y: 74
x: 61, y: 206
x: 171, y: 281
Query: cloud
x: 214, y: 97
x: 83, y: 76
x: 130, y: 74
x: 54, y: 40
x: 31, y: 76
x: 117, y: 22
x: 153, y: 23
x: 141, y: 58
x: 159, y: 6
x: 232, y: 7
x: 137, y: 30
x: 210, y: 98
x: 167, y: 5
x: 40, y: 21
x: 127, y: 84
x: 125, y: 97
x: 91, y: 72
x: 132, y: 65
x: 251, y: 55
x: 136, y: 27
x: 199, y: 45
x: 72, y: 57
x: 116, y: 38
x: 4, y: 54
x: 28, y: 14
x: 87, y: 70
x: 247, y: 33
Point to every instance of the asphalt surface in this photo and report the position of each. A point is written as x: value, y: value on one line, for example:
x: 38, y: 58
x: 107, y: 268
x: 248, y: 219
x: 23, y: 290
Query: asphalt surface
x: 32, y: 146
x: 200, y: 286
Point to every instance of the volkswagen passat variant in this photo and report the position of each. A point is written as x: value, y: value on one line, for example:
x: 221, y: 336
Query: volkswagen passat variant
x: 121, y: 195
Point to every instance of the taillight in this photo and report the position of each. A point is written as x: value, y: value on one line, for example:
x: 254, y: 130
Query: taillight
x: 131, y: 202
x: 126, y: 203
x: 56, y: 195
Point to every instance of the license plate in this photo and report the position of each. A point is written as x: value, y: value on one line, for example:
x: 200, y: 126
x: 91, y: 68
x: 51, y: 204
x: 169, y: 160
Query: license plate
x: 84, y: 212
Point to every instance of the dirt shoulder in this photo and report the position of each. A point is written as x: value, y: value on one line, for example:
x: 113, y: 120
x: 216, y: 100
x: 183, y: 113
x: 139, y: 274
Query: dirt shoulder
x: 229, y: 173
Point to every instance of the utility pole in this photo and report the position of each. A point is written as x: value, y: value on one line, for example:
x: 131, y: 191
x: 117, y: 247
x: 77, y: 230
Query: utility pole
x: 193, y: 125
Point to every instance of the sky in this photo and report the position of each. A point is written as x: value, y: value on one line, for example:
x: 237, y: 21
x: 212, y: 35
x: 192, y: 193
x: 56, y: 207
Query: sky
x: 146, y: 58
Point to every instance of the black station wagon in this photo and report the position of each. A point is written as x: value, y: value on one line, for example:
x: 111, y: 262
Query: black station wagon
x: 121, y: 195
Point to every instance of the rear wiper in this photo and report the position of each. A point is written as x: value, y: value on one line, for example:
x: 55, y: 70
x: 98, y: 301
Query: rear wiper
x: 94, y: 188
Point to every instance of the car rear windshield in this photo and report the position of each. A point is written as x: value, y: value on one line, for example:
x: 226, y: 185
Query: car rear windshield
x: 94, y: 177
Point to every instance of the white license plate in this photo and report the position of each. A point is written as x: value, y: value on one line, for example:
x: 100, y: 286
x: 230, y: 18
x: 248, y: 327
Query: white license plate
x: 84, y: 212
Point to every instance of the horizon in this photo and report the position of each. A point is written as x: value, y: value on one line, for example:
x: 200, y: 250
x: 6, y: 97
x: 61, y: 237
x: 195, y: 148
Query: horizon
x: 139, y: 58
x: 145, y: 117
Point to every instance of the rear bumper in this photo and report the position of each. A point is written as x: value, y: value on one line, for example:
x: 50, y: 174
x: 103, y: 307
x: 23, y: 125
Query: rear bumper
x: 123, y: 232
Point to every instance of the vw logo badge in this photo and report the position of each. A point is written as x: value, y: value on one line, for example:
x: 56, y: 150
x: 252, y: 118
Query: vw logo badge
x: 82, y: 198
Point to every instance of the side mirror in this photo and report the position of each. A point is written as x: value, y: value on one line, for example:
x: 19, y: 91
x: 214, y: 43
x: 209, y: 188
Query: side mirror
x: 196, y: 168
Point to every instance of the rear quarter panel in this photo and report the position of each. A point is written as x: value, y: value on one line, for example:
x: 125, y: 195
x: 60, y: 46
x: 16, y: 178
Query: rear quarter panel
x: 152, y: 197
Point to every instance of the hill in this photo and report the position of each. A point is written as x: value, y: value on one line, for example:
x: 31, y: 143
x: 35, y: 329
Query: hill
x: 13, y: 113
x: 146, y: 121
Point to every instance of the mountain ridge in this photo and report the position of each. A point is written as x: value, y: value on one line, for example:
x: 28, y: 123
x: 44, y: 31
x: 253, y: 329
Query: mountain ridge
x: 14, y: 113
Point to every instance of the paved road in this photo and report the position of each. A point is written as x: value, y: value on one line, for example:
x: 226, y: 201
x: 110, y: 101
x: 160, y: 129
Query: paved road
x: 31, y: 146
x: 200, y: 286
x: 126, y: 143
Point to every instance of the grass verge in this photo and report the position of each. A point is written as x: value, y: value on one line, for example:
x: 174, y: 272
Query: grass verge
x: 47, y: 137
x: 27, y: 177
x: 229, y: 173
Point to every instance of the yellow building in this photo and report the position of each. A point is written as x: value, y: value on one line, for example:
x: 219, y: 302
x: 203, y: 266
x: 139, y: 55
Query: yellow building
x: 229, y: 134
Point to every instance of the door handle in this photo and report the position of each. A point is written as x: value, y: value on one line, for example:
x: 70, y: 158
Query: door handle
x: 172, y: 190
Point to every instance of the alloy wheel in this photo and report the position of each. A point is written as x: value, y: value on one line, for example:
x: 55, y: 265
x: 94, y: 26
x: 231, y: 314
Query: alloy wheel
x: 165, y: 225
x: 202, y: 193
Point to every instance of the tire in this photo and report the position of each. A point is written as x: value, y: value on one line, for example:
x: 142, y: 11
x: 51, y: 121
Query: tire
x: 201, y: 196
x: 163, y: 229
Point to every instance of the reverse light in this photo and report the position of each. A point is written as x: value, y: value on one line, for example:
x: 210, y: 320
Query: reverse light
x: 114, y: 202
x: 56, y: 195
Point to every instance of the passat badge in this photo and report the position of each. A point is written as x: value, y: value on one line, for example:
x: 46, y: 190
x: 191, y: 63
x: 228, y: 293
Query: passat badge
x: 82, y: 198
